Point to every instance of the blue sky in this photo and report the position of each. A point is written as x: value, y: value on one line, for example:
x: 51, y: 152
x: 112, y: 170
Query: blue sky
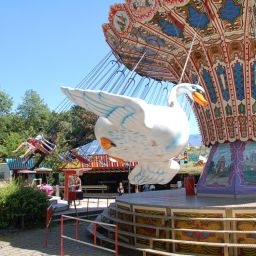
x: 48, y: 43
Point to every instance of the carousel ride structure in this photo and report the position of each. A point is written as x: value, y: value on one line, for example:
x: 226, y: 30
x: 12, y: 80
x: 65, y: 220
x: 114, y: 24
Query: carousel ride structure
x: 211, y: 43
x: 219, y: 38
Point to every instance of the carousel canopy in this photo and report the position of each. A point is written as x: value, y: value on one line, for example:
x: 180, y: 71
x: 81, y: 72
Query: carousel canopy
x: 207, y: 42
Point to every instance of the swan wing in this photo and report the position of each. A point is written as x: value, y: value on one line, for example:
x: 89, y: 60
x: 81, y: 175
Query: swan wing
x: 122, y: 111
x: 154, y: 172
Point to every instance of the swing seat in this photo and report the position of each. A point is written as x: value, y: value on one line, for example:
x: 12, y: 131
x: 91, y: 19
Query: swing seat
x: 67, y: 157
x: 83, y: 159
x: 45, y: 146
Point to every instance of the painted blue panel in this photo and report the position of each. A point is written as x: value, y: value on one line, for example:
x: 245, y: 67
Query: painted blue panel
x: 151, y: 39
x: 194, y: 79
x: 197, y: 19
x: 171, y: 29
x: 253, y: 72
x: 209, y: 84
x: 230, y: 11
x: 239, y: 80
x: 225, y: 92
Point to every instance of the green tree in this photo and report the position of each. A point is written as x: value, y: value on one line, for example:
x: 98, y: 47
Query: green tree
x: 33, y: 111
x: 82, y: 127
x: 6, y: 103
x: 11, y: 141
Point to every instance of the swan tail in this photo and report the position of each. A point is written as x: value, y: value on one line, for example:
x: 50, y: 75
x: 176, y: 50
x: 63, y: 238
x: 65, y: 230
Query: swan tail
x: 154, y: 172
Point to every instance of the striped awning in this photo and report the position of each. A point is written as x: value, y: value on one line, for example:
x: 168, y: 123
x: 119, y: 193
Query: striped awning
x: 100, y: 162
x: 15, y: 163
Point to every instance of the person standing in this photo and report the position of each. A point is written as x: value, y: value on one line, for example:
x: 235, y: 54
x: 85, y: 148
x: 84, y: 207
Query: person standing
x: 152, y: 187
x: 120, y: 188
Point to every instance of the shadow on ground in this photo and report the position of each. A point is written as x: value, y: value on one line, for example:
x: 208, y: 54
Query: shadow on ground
x: 31, y: 243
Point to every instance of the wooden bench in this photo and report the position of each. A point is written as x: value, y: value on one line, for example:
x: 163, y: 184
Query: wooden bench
x: 173, y: 186
x: 86, y: 188
x: 101, y: 188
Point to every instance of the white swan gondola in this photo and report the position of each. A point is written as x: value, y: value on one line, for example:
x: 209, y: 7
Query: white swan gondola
x: 129, y: 129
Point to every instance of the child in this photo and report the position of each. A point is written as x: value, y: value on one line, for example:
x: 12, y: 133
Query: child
x: 30, y: 145
x: 49, y: 144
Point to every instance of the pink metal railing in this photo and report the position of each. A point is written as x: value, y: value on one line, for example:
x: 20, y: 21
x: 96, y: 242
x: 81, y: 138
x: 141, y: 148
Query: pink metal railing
x: 95, y: 223
x: 49, y: 213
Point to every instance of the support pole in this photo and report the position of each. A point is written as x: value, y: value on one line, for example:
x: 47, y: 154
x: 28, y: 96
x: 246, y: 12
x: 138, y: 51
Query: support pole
x: 77, y: 223
x: 94, y: 232
x: 66, y: 185
x: 61, y: 236
x: 129, y: 171
x: 116, y: 240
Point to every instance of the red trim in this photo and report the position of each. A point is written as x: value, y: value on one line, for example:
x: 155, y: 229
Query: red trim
x: 176, y: 21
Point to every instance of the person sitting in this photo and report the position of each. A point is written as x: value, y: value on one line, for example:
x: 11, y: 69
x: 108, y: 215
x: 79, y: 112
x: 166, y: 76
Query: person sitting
x: 30, y: 144
x: 49, y: 144
x: 152, y: 187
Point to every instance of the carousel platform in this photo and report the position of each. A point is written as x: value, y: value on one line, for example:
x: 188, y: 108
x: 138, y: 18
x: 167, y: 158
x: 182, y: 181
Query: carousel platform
x: 170, y: 223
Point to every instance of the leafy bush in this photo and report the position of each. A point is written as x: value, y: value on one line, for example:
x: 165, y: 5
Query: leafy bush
x: 22, y: 206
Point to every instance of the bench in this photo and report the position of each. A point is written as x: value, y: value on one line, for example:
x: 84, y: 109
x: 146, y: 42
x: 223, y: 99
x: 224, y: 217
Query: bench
x: 101, y: 188
x: 86, y: 188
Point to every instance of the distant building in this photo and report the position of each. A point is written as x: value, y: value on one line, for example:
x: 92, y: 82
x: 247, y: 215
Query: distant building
x: 5, y: 172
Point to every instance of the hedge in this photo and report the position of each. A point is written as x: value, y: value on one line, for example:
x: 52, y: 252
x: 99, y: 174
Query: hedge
x: 22, y: 206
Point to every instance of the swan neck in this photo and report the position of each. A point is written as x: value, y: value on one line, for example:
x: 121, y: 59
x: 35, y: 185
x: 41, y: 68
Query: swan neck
x: 173, y: 98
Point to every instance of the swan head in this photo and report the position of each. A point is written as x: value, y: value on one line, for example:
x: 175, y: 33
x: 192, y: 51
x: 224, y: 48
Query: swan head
x: 194, y: 91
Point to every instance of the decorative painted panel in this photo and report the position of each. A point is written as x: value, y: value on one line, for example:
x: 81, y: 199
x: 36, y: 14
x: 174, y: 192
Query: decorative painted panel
x: 222, y: 54
x: 222, y: 77
x: 198, y: 236
x: 230, y: 169
x: 230, y: 11
x: 239, y: 80
x: 210, y: 87
x: 245, y: 238
x: 253, y: 79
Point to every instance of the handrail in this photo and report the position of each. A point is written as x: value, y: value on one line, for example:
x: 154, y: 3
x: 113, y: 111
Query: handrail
x: 217, y: 244
x: 88, y: 221
x: 49, y: 214
x: 182, y: 229
x: 95, y: 223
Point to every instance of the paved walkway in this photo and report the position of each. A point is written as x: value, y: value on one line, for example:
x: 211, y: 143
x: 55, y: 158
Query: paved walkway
x: 88, y: 204
x: 31, y: 243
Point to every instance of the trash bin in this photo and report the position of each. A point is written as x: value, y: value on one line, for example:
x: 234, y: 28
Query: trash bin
x: 189, y: 184
x: 75, y: 195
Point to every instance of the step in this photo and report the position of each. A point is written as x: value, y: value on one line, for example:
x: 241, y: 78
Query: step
x: 54, y: 200
x: 60, y: 206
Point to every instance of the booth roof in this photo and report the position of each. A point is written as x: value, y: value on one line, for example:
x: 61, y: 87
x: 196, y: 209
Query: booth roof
x: 15, y: 163
x: 91, y: 148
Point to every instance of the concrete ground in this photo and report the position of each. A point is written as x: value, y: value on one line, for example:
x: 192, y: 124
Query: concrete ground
x: 88, y: 204
x: 31, y: 243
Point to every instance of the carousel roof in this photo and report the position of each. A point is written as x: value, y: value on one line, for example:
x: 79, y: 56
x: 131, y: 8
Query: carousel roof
x: 212, y: 43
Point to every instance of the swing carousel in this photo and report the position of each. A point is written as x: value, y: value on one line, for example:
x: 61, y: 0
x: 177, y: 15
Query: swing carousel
x: 165, y: 48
